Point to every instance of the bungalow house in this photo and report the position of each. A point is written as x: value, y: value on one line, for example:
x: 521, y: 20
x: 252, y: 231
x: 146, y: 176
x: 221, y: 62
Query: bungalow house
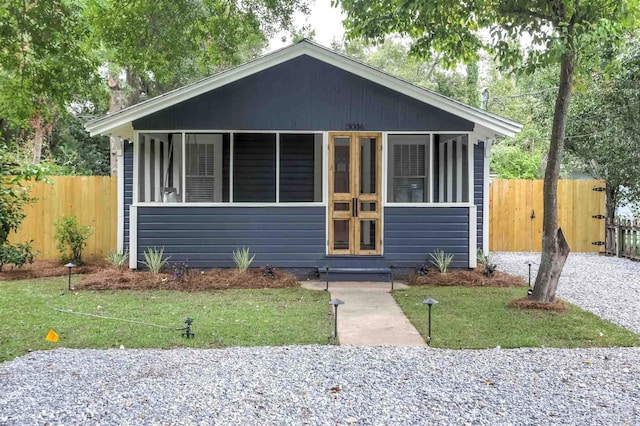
x: 309, y: 158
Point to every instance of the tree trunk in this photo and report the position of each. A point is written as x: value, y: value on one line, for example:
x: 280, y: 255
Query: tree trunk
x: 554, y: 246
x: 612, y: 193
x: 116, y: 103
x: 37, y: 126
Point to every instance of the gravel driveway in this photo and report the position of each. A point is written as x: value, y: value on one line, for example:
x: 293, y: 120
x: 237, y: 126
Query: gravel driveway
x: 323, y: 385
x: 347, y: 385
x: 607, y: 286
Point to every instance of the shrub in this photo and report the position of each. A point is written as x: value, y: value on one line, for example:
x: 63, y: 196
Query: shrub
x: 269, y: 271
x: 242, y: 259
x: 489, y: 269
x: 71, y: 237
x: 423, y: 270
x: 441, y: 260
x: 118, y: 259
x: 483, y: 259
x: 154, y: 259
x: 16, y: 254
x: 180, y: 271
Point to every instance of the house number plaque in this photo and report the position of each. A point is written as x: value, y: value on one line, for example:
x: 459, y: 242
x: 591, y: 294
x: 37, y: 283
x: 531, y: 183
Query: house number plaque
x: 355, y: 126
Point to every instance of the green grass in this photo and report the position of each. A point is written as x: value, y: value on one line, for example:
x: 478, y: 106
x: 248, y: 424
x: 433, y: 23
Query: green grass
x: 221, y: 318
x: 473, y: 317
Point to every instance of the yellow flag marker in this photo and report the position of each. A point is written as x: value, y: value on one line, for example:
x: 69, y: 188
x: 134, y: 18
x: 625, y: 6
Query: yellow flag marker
x: 52, y: 336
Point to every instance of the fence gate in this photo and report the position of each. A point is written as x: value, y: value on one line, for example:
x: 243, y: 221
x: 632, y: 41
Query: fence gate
x: 516, y: 210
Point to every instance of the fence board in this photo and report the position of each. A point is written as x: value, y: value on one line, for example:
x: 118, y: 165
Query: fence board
x: 516, y: 214
x: 92, y: 199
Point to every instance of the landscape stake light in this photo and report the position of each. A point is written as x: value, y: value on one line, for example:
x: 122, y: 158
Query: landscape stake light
x: 335, y: 303
x: 326, y: 277
x: 430, y: 302
x: 529, y: 263
x: 69, y: 265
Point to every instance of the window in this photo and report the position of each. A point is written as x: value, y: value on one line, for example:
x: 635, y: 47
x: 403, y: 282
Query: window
x: 451, y: 170
x: 204, y: 167
x: 219, y: 167
x: 159, y: 167
x: 300, y: 168
x: 254, y: 167
x: 408, y: 179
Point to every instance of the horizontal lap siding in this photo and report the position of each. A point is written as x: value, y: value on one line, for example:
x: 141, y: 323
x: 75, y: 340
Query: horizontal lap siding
x: 207, y: 236
x: 411, y: 233
x: 128, y: 188
x: 478, y: 187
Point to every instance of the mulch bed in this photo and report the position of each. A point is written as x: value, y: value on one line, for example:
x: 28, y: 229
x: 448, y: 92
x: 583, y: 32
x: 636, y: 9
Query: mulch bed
x: 466, y: 278
x: 48, y: 268
x: 195, y: 280
x: 526, y: 303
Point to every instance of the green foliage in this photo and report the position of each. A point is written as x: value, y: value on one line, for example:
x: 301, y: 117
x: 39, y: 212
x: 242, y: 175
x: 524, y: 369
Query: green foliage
x: 71, y: 238
x: 154, y: 259
x: 511, y: 162
x: 17, y: 254
x: 441, y: 260
x: 242, y: 259
x: 604, y: 131
x: 14, y: 196
x: 479, y: 317
x: 483, y: 259
x: 118, y: 259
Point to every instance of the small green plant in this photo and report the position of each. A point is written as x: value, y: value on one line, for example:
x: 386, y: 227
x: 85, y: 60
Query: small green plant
x: 17, y: 254
x: 242, y: 259
x: 72, y: 238
x: 441, y: 260
x: 118, y: 259
x: 154, y: 260
x: 483, y: 259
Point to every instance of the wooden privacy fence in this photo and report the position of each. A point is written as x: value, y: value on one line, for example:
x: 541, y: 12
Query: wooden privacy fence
x: 623, y: 238
x: 516, y: 210
x: 92, y: 199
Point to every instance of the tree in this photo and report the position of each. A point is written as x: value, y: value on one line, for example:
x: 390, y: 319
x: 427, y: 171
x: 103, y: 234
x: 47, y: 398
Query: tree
x: 604, y: 132
x: 44, y: 64
x: 569, y: 33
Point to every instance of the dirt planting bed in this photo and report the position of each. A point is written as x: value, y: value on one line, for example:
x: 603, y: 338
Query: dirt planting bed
x: 466, y: 278
x: 48, y: 268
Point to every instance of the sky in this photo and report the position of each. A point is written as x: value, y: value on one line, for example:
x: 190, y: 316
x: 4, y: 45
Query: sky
x: 324, y: 19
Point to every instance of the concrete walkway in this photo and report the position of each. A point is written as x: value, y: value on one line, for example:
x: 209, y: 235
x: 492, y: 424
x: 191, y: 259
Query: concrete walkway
x: 370, y: 316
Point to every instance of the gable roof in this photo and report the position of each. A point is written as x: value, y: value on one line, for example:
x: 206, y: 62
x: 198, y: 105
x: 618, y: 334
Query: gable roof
x: 119, y: 123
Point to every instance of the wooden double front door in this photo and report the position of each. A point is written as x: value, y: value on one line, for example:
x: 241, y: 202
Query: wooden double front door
x: 355, y: 187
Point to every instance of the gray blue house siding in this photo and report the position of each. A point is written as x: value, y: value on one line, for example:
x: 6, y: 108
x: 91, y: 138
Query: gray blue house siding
x: 303, y: 94
x: 478, y: 188
x: 128, y: 189
x: 295, y: 237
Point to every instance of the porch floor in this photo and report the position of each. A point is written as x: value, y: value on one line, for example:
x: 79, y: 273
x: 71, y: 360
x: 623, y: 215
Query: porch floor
x: 370, y: 316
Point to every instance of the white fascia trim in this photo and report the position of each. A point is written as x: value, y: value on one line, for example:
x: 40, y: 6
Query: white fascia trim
x: 497, y: 124
x: 473, y: 234
x: 485, y: 196
x: 120, y: 203
x: 133, y: 237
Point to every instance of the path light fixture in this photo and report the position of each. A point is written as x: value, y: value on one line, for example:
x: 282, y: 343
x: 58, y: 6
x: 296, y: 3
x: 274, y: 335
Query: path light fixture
x: 529, y: 263
x: 335, y: 303
x: 326, y: 277
x: 69, y: 266
x: 430, y: 302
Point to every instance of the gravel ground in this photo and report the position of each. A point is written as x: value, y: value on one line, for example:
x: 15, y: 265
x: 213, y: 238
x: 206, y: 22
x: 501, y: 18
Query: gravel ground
x: 323, y: 385
x: 607, y: 286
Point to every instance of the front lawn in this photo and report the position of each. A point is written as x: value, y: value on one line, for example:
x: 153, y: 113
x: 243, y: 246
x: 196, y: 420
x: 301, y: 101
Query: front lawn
x: 221, y: 318
x: 474, y: 317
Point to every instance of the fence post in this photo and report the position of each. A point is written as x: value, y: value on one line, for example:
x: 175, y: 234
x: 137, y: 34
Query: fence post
x: 619, y: 238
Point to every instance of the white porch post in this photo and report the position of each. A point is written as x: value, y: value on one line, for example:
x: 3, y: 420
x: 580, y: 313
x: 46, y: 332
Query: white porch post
x: 133, y: 237
x: 473, y: 236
